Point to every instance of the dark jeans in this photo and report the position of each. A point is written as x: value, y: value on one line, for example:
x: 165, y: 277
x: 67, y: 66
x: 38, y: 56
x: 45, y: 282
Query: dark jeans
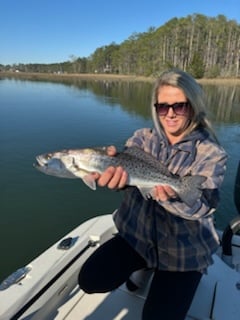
x: 170, y: 293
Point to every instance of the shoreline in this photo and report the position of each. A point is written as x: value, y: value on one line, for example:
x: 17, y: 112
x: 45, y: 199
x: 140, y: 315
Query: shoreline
x: 102, y: 77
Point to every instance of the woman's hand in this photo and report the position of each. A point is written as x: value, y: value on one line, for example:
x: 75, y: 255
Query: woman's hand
x: 164, y: 193
x: 112, y: 177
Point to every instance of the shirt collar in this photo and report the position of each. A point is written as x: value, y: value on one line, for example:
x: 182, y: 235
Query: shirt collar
x: 187, y: 143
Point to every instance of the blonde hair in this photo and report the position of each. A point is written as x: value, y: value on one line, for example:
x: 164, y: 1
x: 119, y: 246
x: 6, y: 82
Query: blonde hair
x: 194, y: 93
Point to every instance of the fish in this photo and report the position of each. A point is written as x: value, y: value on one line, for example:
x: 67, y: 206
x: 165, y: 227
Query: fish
x: 144, y: 171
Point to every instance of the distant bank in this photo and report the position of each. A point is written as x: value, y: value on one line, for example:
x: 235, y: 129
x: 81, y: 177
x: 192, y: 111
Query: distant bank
x: 96, y: 76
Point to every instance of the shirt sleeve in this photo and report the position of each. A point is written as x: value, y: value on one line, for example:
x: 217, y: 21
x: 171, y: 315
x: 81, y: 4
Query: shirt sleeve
x: 141, y: 139
x: 210, y: 162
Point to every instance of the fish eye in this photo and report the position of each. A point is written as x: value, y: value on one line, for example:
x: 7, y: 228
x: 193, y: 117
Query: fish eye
x: 48, y: 156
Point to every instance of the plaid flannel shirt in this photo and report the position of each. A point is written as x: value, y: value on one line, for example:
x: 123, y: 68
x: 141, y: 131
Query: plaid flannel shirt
x: 170, y: 235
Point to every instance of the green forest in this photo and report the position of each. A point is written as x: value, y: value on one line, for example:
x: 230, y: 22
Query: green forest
x: 204, y: 46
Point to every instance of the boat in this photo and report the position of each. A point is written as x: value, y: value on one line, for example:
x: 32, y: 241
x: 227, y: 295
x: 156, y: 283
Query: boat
x: 47, y: 288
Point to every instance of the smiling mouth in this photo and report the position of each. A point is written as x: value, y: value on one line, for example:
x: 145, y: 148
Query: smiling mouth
x: 171, y: 123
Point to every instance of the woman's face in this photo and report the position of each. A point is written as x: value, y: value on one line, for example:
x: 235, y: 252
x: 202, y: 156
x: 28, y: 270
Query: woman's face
x: 173, y: 124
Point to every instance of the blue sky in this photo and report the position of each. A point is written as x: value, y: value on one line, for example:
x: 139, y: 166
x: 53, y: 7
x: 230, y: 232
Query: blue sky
x: 46, y: 31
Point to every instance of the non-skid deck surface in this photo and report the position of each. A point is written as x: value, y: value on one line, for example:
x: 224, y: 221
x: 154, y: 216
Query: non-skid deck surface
x: 211, y: 301
x: 117, y: 305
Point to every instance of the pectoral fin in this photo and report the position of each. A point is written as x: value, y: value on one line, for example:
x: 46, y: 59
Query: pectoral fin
x: 89, y: 181
x: 86, y: 177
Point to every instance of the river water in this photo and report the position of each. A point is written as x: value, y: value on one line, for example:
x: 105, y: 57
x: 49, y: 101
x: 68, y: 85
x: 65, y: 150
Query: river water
x: 37, y: 117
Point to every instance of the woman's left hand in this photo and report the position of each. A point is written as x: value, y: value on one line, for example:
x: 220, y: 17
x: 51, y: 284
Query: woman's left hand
x: 164, y: 193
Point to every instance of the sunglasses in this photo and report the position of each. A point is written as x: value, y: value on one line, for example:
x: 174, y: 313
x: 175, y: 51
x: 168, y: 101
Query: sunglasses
x: 179, y: 108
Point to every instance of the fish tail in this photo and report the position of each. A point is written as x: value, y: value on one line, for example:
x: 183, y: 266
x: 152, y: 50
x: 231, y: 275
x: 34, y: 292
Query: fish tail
x: 190, y: 190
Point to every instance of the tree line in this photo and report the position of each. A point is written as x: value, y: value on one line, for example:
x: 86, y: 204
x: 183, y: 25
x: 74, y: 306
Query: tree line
x: 204, y: 46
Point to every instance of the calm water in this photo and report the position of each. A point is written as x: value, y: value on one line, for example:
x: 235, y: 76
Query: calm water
x: 37, y: 117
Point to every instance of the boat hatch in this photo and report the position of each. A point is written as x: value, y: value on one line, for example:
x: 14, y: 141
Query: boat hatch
x: 67, y: 243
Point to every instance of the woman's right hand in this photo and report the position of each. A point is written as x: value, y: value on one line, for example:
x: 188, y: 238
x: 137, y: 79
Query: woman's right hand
x: 112, y: 177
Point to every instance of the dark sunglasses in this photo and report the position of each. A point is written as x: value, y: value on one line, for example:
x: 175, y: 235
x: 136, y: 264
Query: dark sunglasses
x: 179, y: 108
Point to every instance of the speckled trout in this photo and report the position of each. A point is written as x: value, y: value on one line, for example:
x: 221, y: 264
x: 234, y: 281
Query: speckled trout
x: 144, y: 171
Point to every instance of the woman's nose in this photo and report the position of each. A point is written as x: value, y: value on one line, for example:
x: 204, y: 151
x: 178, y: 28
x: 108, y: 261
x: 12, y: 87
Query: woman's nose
x: 171, y: 112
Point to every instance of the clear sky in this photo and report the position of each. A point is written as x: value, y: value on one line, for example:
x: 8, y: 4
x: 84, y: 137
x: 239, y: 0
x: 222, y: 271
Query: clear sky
x: 46, y: 31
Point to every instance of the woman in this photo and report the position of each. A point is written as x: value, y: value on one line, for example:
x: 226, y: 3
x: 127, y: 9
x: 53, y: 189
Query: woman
x: 163, y: 233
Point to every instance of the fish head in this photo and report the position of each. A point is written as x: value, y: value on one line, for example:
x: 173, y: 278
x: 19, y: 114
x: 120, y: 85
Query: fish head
x: 56, y: 164
x: 77, y: 163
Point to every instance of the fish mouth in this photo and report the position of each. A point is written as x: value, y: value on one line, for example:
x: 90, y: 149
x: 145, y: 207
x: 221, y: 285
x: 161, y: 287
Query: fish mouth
x: 39, y: 162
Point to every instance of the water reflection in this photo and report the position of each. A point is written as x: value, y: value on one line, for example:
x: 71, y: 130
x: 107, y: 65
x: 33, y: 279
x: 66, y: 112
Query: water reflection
x: 134, y: 97
x: 223, y: 102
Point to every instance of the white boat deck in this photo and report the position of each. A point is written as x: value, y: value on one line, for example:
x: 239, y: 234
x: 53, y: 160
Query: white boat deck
x: 119, y: 304
x: 124, y: 305
x: 50, y: 291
